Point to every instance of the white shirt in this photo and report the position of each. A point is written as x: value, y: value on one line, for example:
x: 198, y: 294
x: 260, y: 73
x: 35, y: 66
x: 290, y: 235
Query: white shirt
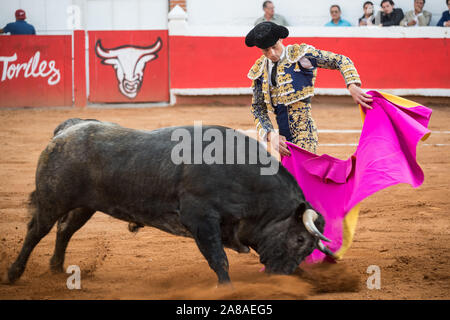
x: 271, y: 63
x: 416, y: 18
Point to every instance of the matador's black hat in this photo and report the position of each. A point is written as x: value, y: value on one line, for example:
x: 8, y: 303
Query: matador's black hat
x: 265, y: 35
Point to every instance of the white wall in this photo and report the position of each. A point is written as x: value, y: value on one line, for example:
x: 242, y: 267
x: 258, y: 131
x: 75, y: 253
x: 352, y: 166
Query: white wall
x: 126, y: 14
x: 55, y: 16
x: 51, y: 16
x: 297, y: 12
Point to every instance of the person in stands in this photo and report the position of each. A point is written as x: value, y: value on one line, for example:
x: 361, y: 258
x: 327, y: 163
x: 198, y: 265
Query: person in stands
x: 20, y: 26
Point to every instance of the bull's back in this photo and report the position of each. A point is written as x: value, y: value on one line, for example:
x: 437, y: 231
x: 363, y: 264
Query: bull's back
x: 108, y: 156
x: 107, y: 161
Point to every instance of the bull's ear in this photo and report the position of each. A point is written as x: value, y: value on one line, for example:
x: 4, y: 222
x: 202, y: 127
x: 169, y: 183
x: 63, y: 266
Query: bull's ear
x: 109, y: 61
x: 301, y: 210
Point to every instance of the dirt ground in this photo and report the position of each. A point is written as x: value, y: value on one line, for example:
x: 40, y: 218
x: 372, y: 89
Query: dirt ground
x: 403, y: 231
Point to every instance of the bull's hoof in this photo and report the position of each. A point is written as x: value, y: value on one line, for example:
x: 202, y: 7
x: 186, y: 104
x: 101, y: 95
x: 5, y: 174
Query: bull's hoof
x: 13, y: 274
x: 134, y: 227
x: 56, y: 269
x: 9, y: 277
x: 56, y: 265
x: 4, y: 278
x: 225, y: 285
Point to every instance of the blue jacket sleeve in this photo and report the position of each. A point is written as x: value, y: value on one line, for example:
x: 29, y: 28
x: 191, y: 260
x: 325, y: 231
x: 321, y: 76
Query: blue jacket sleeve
x: 329, y: 60
x: 7, y: 28
x: 443, y: 19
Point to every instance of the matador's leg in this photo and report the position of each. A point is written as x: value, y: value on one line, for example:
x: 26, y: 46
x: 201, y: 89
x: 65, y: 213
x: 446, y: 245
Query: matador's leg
x: 303, y: 127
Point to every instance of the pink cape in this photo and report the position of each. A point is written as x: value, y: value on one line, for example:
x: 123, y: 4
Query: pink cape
x: 385, y: 156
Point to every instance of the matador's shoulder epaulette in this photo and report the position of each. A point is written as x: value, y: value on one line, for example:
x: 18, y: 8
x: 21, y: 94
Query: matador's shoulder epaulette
x: 257, y: 70
x: 295, y: 52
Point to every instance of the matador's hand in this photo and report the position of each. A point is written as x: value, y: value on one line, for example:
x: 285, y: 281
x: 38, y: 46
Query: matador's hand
x: 278, y: 142
x: 359, y: 96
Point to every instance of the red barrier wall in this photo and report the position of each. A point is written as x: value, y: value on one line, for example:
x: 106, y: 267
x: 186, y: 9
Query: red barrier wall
x: 35, y: 71
x: 223, y: 62
x: 123, y: 70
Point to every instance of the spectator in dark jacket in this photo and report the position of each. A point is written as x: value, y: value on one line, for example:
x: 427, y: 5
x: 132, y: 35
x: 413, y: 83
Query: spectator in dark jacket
x: 20, y: 26
x: 445, y: 19
x: 389, y: 16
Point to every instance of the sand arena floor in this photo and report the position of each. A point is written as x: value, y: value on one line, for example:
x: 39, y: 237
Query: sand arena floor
x: 402, y: 230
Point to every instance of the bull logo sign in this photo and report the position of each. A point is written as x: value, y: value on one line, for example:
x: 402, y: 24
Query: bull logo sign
x: 129, y: 63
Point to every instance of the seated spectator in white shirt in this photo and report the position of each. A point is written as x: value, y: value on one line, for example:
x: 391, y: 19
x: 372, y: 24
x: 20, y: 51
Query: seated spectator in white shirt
x: 417, y: 17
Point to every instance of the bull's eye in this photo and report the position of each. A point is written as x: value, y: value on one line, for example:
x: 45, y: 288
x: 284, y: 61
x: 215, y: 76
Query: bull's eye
x: 300, y: 239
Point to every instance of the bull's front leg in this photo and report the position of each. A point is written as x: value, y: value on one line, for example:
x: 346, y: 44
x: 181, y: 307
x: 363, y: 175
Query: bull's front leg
x: 208, y: 239
x: 205, y: 229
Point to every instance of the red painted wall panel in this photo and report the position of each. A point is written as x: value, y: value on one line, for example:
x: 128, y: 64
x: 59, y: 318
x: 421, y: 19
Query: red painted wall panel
x: 35, y: 71
x: 223, y: 62
x: 123, y: 69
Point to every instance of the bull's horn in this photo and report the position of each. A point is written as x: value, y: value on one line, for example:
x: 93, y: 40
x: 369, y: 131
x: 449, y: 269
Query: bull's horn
x: 308, y: 220
x: 102, y: 52
x: 326, y: 250
x: 153, y: 48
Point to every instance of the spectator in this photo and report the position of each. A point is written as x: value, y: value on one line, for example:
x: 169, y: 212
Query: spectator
x: 270, y: 15
x: 368, y: 17
x: 417, y: 17
x: 336, y: 21
x: 388, y: 16
x: 445, y: 19
x: 20, y: 26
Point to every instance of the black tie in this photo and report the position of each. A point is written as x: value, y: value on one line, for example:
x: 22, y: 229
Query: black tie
x: 274, y: 74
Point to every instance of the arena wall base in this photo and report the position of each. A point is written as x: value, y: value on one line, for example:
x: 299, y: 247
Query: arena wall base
x: 243, y: 96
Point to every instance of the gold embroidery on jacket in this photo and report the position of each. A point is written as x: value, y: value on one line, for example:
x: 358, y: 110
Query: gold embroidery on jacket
x: 258, y: 68
x: 301, y: 123
x: 283, y: 79
x: 302, y: 126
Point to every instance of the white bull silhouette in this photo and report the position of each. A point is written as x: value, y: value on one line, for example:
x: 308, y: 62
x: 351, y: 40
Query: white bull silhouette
x: 129, y: 63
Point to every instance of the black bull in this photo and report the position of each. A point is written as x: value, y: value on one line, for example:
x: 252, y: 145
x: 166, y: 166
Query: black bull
x: 91, y: 166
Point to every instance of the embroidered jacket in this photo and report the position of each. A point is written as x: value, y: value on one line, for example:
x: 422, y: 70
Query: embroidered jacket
x: 295, y: 83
